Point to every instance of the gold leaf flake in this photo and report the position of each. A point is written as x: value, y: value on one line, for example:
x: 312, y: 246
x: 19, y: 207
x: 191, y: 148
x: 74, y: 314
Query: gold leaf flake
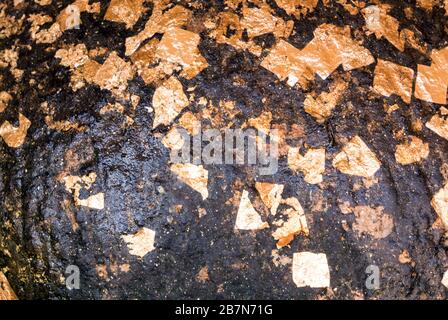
x: 322, y: 106
x: 280, y: 260
x: 140, y: 243
x: 391, y: 78
x: 14, y: 137
x: 312, y: 164
x: 9, y: 25
x: 73, y: 56
x: 93, y: 202
x: 247, y: 217
x: 194, y: 176
x: 168, y: 101
x: 5, y: 98
x: 331, y: 47
x: 357, y: 159
x: 295, y: 224
x: 445, y: 275
x: 310, y: 270
x: 432, y: 81
x: 390, y: 108
x: 6, y: 292
x: 159, y: 22
x: 412, y: 152
x: 259, y: 21
x: 404, y: 257
x: 180, y: 47
x: 202, y: 275
x: 439, y: 125
x: 173, y: 140
x: 427, y: 4
x: 125, y: 11
x: 372, y: 221
x: 114, y: 74
x: 261, y: 123
x: 297, y: 8
x: 271, y: 194
x: 440, y: 204
x: 190, y: 123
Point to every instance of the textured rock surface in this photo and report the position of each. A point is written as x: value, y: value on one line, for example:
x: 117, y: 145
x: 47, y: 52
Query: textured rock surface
x: 197, y: 253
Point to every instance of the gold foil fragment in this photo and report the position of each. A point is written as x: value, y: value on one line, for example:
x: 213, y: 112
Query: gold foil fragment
x: 140, y: 243
x: 312, y: 164
x: 412, y: 152
x: 357, y: 159
x: 391, y: 78
x: 125, y: 11
x: 14, y: 137
x: 196, y: 177
x: 247, y: 217
x: 310, y: 270
x: 439, y: 124
x: 372, y: 221
x: 440, y: 204
x: 271, y: 194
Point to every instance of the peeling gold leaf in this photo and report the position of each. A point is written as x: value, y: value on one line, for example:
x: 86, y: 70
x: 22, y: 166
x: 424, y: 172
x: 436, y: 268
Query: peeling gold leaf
x: 310, y: 270
x: 412, y: 152
x: 312, y: 164
x: 140, y: 243
x: 194, y: 176
x: 168, y: 101
x: 391, y: 78
x: 298, y: 8
x: 14, y: 137
x: 357, y: 159
x: 247, y: 217
x: 295, y: 224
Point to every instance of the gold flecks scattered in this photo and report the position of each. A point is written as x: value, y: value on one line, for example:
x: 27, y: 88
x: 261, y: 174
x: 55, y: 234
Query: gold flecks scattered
x: 180, y: 47
x: 271, y: 194
x: 439, y: 124
x: 159, y: 22
x: 432, y: 81
x: 194, y: 176
x: 6, y: 292
x: 74, y: 184
x: 411, y: 152
x: 298, y: 8
x: 404, y: 257
x: 202, y: 275
x: 168, y: 101
x: 37, y: 20
x: 140, y: 243
x: 312, y: 164
x: 43, y: 2
x: 310, y: 270
x: 125, y: 11
x: 322, y: 106
x: 9, y: 25
x: 295, y: 223
x: 331, y: 47
x: 391, y: 78
x: 247, y: 217
x: 280, y: 260
x: 221, y: 116
x: 440, y: 204
x: 372, y: 221
x: 112, y: 107
x: 14, y: 137
x: 351, y: 6
x: 5, y: 99
x: 357, y: 159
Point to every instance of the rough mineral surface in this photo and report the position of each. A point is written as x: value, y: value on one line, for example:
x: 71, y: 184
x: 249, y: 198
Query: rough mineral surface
x: 94, y: 95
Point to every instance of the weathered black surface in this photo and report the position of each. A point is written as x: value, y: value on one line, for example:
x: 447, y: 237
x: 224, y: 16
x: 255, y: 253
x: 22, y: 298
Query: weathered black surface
x: 131, y: 164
